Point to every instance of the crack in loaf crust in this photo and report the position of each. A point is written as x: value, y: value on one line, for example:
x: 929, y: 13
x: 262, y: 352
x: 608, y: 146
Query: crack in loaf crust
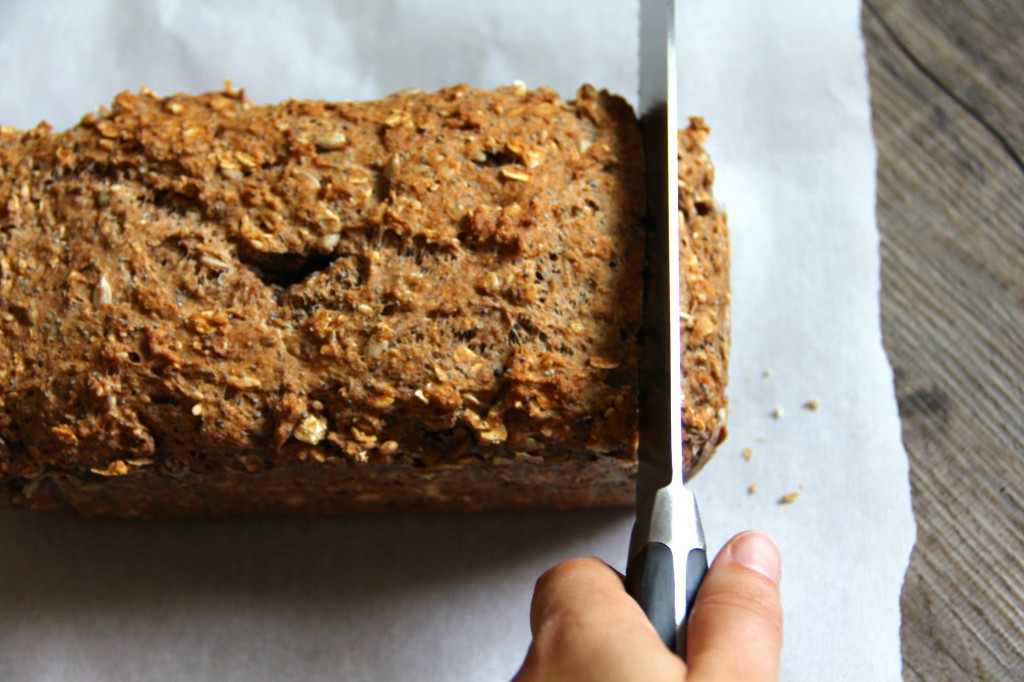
x: 426, y: 302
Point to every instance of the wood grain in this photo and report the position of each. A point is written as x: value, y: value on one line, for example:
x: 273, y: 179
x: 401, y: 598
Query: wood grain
x: 947, y: 85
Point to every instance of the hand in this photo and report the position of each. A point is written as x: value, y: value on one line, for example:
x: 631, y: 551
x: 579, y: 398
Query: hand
x: 585, y: 626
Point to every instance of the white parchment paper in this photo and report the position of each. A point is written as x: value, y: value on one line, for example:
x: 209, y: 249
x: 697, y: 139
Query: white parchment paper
x: 783, y: 85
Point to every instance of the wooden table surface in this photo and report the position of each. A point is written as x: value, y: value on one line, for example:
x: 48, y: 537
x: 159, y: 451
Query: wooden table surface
x: 947, y: 81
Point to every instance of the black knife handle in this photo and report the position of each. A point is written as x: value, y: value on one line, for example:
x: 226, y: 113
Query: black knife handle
x: 650, y: 580
x: 696, y: 568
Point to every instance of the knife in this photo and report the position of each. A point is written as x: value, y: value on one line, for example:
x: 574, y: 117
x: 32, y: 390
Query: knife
x: 667, y: 555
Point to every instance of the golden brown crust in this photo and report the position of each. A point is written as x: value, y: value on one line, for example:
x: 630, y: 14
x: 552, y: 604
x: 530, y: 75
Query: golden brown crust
x: 425, y: 302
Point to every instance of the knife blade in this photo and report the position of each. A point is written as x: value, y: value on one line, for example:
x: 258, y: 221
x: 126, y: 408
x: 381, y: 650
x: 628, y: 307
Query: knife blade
x: 667, y: 556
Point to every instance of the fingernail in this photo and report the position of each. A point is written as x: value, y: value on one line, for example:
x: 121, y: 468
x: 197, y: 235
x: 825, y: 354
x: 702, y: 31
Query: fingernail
x: 758, y: 552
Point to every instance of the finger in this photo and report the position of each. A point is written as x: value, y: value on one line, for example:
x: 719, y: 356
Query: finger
x: 585, y: 627
x: 735, y: 630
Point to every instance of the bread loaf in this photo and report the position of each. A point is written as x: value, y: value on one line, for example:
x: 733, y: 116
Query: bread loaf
x: 426, y: 302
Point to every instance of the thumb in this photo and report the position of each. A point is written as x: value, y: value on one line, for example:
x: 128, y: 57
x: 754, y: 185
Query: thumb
x: 735, y: 630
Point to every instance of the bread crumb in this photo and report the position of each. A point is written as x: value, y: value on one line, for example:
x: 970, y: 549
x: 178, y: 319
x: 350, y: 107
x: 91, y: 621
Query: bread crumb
x: 789, y: 498
x: 761, y: 439
x: 767, y: 373
x: 752, y: 489
x: 778, y: 412
x: 813, y: 404
x: 747, y: 453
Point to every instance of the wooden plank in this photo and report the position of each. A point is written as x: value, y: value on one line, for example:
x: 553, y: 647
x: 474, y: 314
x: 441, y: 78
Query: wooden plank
x: 947, y: 92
